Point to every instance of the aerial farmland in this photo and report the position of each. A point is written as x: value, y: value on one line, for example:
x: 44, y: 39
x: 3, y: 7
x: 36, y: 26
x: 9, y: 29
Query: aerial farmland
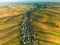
x: 44, y: 18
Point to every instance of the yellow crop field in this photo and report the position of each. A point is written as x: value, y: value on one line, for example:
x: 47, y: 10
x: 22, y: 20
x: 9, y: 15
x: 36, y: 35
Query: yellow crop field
x: 45, y: 20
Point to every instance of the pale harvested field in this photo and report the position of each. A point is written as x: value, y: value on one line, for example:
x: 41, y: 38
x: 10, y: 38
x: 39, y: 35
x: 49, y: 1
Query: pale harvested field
x: 10, y: 18
x: 45, y: 21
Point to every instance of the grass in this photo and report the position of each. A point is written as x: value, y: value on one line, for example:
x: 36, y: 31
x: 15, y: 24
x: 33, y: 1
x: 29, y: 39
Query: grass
x: 51, y: 24
x: 9, y: 34
x: 10, y: 41
x: 43, y: 16
x: 50, y: 42
x: 41, y: 31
